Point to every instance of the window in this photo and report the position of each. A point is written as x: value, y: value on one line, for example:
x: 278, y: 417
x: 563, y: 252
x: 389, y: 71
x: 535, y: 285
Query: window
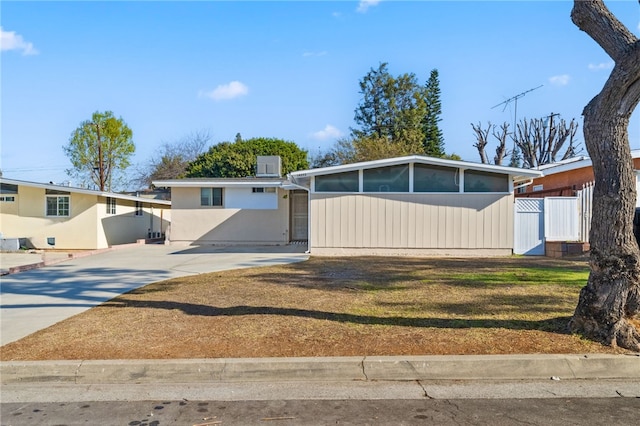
x: 428, y: 178
x: 111, y: 205
x: 211, y: 196
x: 386, y: 179
x: 7, y: 188
x: 8, y: 199
x: 139, y: 208
x: 57, y: 205
x: 475, y: 181
x: 339, y: 182
x: 538, y: 187
x: 261, y: 190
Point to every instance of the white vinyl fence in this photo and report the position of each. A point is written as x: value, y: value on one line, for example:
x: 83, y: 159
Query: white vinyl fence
x: 546, y: 219
x: 585, y: 195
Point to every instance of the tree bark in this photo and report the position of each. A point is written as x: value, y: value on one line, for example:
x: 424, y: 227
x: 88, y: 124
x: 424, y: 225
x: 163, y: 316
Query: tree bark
x: 610, y: 302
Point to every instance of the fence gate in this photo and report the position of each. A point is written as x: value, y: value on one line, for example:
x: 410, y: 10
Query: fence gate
x: 529, y: 226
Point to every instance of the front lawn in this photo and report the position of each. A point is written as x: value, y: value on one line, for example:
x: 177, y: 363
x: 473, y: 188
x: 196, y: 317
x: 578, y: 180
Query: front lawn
x: 340, y: 306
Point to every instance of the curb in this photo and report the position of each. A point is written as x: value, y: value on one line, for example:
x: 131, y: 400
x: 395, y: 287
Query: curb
x: 378, y: 368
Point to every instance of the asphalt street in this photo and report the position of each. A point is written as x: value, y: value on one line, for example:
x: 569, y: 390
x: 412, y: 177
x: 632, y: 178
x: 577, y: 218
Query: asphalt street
x: 442, y: 412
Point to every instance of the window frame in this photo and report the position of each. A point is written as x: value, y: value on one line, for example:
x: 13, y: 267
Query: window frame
x: 139, y: 209
x: 212, y: 198
x: 59, y: 206
x: 111, y: 205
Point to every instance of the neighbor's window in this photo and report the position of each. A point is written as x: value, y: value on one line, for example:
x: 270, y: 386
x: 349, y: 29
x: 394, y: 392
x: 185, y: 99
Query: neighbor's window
x: 138, y: 208
x: 386, y: 179
x: 339, y: 182
x: 8, y: 188
x: 57, y: 205
x: 211, y: 196
x: 476, y: 181
x: 427, y: 178
x: 111, y: 205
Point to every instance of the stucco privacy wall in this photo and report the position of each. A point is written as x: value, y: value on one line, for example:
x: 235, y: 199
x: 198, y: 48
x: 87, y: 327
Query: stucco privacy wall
x: 78, y: 231
x: 245, y: 224
x: 438, y: 224
x: 125, y: 226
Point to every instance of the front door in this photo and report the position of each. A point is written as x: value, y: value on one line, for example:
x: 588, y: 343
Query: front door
x: 299, y: 206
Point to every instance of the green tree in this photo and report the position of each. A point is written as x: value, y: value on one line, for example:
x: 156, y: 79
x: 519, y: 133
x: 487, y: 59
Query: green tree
x: 99, y: 149
x: 433, y: 139
x: 238, y: 159
x: 391, y: 108
x: 397, y: 116
x: 609, y: 304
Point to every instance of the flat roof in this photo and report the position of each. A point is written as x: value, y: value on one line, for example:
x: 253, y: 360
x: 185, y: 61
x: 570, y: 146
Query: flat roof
x: 220, y: 182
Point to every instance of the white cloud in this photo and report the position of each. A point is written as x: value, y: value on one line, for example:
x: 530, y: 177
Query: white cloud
x: 9, y: 40
x: 329, y: 132
x: 235, y: 89
x: 364, y: 5
x: 601, y: 66
x: 560, y: 80
x: 309, y: 54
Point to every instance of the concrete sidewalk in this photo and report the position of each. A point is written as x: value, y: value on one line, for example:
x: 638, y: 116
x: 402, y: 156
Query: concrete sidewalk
x: 38, y: 298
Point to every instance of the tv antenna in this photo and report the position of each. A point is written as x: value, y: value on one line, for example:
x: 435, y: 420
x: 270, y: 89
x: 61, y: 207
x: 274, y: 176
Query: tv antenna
x: 514, y: 99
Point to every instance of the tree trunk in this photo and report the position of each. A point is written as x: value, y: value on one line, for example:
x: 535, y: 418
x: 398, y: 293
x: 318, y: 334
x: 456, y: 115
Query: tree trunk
x: 610, y: 302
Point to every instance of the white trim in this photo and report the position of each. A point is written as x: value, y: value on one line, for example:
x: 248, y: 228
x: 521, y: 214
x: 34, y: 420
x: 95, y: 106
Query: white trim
x: 84, y: 191
x: 574, y: 163
x: 220, y: 183
x: 513, y: 171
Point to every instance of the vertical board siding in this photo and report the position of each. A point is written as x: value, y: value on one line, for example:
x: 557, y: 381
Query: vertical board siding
x: 412, y: 221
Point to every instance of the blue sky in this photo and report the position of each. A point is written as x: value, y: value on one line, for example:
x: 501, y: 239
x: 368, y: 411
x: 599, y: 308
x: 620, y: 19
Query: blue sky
x: 287, y: 69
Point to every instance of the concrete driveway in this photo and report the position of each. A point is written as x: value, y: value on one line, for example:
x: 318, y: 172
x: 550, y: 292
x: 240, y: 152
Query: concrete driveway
x: 36, y: 299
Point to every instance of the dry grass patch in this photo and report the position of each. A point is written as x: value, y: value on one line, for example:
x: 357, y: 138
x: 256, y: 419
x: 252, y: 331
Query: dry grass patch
x: 333, y: 307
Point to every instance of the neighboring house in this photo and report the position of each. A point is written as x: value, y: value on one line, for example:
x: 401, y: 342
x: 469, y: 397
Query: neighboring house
x: 566, y: 178
x: 409, y: 205
x: 62, y: 217
x: 564, y: 198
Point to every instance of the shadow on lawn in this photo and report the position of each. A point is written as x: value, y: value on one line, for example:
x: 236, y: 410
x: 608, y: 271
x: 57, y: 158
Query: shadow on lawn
x: 380, y: 273
x: 556, y: 325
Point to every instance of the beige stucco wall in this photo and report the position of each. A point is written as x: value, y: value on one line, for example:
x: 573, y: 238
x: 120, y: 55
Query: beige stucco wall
x: 87, y: 227
x: 125, y: 227
x: 425, y: 224
x: 192, y: 223
x: 78, y: 231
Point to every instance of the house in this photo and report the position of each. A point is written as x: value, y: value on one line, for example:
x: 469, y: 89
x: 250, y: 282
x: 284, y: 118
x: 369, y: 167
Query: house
x: 252, y: 210
x: 564, y: 197
x: 412, y: 205
x: 566, y: 178
x: 37, y: 215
